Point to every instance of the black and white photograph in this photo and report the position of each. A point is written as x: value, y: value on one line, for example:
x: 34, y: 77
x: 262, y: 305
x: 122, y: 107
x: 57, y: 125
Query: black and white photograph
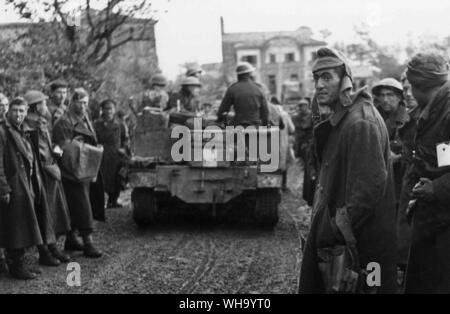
x: 224, y: 153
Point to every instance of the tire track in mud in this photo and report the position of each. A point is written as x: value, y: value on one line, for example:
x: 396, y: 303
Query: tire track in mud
x: 133, y: 255
x: 245, y: 274
x: 275, y: 251
x: 186, y: 258
x: 202, y: 270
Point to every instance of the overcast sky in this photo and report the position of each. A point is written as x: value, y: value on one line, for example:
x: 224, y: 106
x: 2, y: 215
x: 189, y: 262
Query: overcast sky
x: 190, y: 31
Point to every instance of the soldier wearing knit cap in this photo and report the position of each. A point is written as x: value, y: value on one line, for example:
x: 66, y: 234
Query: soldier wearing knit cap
x: 354, y: 204
x: 428, y: 268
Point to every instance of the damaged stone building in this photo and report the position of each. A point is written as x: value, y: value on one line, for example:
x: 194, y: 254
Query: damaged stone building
x: 283, y: 59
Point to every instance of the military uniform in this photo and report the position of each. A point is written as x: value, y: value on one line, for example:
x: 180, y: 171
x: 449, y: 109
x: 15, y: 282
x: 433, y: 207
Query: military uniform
x: 303, y: 133
x: 55, y: 111
x: 113, y: 136
x: 153, y: 99
x: 428, y: 265
x: 26, y: 221
x: 406, y: 134
x: 51, y: 173
x: 394, y: 122
x: 350, y: 140
x: 249, y: 103
x: 183, y: 101
x: 85, y: 199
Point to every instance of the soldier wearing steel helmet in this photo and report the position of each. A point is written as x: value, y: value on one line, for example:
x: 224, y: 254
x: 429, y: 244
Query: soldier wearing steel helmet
x: 186, y: 100
x: 155, y: 96
x: 392, y: 108
x: 46, y: 152
x: 389, y: 93
x: 247, y: 99
x: 194, y: 72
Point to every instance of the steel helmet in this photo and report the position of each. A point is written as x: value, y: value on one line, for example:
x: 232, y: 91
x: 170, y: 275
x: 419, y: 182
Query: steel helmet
x: 389, y: 83
x: 34, y: 97
x: 244, y: 67
x: 158, y: 79
x: 191, y: 81
x: 193, y: 71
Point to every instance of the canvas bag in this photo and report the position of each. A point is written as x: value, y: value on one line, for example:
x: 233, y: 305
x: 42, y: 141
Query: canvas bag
x: 81, y: 160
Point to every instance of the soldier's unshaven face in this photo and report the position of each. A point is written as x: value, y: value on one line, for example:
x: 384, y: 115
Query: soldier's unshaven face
x: 389, y: 100
x: 327, y: 84
x: 195, y: 90
x: 17, y: 114
x: 60, y: 95
x: 80, y: 106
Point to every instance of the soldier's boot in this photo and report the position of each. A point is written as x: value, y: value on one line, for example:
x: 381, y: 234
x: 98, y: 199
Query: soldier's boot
x: 89, y: 249
x: 72, y: 243
x: 112, y: 201
x: 63, y: 258
x: 17, y: 267
x: 46, y: 258
x: 3, y: 264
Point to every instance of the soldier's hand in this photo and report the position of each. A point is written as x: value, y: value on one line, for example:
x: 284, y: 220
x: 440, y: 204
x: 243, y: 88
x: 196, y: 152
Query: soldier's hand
x: 57, y: 151
x: 5, y: 199
x: 424, y: 190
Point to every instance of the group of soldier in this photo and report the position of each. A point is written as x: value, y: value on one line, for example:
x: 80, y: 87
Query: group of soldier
x: 381, y: 190
x: 371, y: 171
x: 372, y: 177
x: 41, y: 199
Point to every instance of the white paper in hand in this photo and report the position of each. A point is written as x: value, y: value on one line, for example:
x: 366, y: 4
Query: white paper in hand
x: 443, y: 154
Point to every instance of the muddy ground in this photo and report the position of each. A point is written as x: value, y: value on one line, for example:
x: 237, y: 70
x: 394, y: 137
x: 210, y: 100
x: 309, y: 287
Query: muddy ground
x: 186, y: 256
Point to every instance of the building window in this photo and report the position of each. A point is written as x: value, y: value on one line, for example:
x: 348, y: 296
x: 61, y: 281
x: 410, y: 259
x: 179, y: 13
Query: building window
x: 272, y: 84
x: 289, y: 57
x: 252, y: 59
x: 294, y: 77
x: 272, y: 58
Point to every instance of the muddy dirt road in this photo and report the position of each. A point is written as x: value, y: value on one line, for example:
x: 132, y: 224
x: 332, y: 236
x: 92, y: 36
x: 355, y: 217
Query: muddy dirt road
x: 185, y: 257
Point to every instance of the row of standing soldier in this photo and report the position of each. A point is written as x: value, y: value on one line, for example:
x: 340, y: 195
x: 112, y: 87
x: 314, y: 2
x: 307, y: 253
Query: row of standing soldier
x: 378, y: 180
x: 41, y: 201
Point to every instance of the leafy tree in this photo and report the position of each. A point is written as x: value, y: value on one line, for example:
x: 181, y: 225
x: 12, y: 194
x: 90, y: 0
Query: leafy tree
x: 368, y: 51
x: 72, y: 40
